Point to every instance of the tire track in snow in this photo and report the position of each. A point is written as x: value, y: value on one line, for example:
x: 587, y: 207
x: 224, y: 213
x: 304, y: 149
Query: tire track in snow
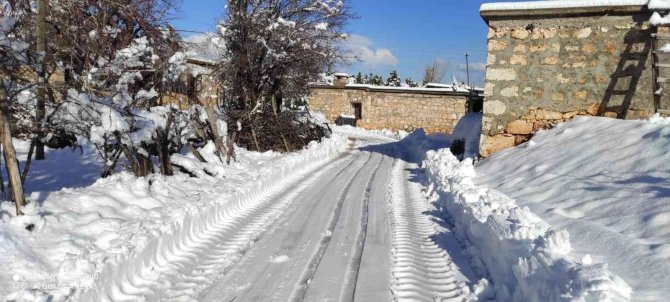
x: 232, y: 246
x: 422, y: 271
x: 351, y: 279
x: 180, y: 269
x: 302, y: 287
x: 274, y: 266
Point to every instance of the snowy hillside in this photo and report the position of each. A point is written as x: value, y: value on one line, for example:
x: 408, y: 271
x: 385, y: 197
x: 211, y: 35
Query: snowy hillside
x: 607, y: 182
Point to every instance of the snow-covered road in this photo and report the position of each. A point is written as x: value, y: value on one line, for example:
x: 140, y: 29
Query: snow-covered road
x: 356, y: 229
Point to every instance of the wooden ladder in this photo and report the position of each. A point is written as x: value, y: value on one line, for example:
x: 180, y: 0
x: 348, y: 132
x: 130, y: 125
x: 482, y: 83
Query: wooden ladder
x: 661, y: 69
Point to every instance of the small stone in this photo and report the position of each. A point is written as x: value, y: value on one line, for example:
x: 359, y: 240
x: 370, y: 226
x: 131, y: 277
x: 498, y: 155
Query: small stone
x: 571, y: 48
x: 571, y: 114
x: 510, y: 91
x: 593, y: 109
x: 518, y: 60
x: 490, y: 59
x: 501, y: 74
x: 488, y: 89
x: 549, y: 33
x: 520, y: 34
x: 581, y: 95
x: 497, y: 45
x: 520, y: 127
x: 582, y: 33
x: 492, y: 144
x: 550, y: 61
x: 588, y: 48
x: 494, y: 107
x: 520, y: 48
x: 557, y: 96
x: 538, y: 48
x: 543, y: 114
x: 611, y: 114
x: 562, y: 79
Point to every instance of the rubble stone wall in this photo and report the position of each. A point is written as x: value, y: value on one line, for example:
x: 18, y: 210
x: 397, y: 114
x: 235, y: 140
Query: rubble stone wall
x: 543, y: 70
x: 393, y: 109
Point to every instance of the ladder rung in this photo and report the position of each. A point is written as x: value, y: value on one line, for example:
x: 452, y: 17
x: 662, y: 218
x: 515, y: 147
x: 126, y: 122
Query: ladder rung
x: 619, y: 92
x: 658, y: 52
x: 663, y: 111
x: 663, y: 65
x: 662, y: 80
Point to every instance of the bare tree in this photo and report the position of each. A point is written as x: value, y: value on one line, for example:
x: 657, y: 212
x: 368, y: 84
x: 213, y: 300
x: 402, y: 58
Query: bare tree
x: 274, y: 48
x: 434, y: 73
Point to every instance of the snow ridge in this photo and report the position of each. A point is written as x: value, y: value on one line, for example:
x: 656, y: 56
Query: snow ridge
x: 525, y: 258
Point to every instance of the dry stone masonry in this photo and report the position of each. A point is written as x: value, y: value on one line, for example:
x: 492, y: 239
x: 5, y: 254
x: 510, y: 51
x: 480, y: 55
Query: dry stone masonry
x: 548, y: 66
x: 435, y: 110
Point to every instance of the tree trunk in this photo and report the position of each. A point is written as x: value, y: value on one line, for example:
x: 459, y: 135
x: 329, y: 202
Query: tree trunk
x: 40, y: 110
x: 214, y: 128
x: 10, y: 154
x: 29, y: 160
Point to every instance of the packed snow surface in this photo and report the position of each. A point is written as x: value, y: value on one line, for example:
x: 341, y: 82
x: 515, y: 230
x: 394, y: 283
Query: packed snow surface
x: 605, y: 181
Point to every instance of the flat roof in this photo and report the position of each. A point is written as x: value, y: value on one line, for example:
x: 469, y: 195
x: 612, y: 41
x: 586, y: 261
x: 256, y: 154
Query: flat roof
x: 415, y: 90
x: 561, y: 7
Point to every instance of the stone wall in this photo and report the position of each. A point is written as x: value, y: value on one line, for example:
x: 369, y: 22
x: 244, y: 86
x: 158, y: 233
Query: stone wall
x: 545, y: 68
x: 393, y: 109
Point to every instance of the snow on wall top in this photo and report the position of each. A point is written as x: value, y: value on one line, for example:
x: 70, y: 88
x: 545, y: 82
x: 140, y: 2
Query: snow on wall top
x: 528, y: 5
x: 658, y: 4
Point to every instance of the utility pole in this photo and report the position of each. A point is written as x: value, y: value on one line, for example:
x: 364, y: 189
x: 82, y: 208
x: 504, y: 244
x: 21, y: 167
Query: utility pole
x: 40, y: 110
x: 467, y: 68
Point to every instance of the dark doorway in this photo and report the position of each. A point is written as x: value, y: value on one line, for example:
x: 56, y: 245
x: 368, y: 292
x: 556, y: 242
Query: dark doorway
x: 358, y: 110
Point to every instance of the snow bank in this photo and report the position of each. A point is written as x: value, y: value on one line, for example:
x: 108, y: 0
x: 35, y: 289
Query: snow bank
x: 524, y: 257
x: 607, y: 182
x: 95, y: 243
x: 356, y: 131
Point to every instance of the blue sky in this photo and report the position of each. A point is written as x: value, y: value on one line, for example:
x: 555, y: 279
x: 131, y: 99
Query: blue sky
x: 392, y: 34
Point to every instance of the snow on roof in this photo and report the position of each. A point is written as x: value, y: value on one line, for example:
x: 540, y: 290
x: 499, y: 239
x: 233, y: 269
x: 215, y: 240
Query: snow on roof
x: 341, y: 74
x: 658, y: 4
x: 203, y: 47
x: 528, y: 5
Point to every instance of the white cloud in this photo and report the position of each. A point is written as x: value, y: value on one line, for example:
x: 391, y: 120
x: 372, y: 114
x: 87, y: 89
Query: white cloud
x: 364, y: 49
x: 474, y: 67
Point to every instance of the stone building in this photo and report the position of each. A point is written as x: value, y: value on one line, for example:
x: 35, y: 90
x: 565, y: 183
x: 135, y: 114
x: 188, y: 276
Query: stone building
x: 393, y: 108
x: 548, y: 63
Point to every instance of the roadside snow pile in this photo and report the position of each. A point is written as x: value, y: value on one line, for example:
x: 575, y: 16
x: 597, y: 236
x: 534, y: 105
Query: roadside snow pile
x: 356, y: 131
x: 468, y: 130
x: 90, y: 240
x: 607, y: 182
x: 524, y: 257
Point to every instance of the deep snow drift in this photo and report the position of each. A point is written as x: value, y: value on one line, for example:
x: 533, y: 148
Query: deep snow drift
x: 607, y: 182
